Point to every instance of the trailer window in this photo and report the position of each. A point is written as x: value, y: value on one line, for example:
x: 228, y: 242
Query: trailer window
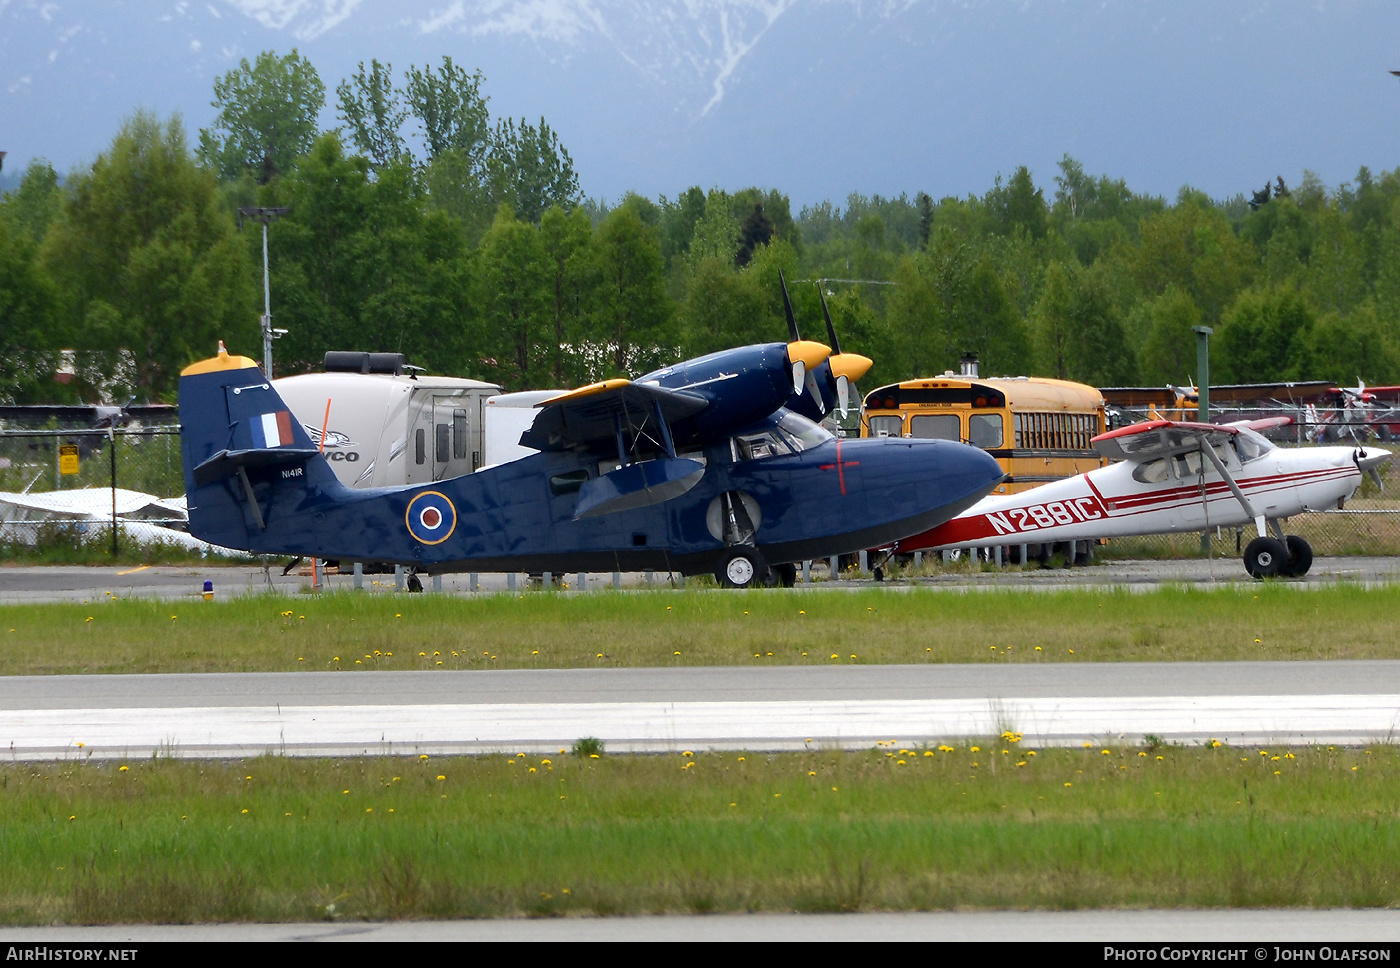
x: 441, y: 450
x: 936, y: 426
x: 420, y: 446
x: 459, y: 434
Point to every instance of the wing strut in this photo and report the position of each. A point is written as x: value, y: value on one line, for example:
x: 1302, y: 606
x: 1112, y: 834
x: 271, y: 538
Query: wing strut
x: 252, y: 501
x: 1219, y: 466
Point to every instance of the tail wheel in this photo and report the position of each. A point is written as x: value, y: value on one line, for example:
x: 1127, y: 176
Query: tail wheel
x: 1300, y: 557
x: 741, y: 567
x: 1265, y: 557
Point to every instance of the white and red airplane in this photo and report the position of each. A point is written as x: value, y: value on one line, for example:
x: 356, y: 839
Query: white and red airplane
x: 1174, y: 476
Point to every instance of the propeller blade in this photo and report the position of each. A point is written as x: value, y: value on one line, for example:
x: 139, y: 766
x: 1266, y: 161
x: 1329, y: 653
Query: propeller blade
x: 830, y: 328
x: 843, y: 393
x: 787, y: 310
x: 799, y: 373
x: 815, y: 391
x: 1376, y: 476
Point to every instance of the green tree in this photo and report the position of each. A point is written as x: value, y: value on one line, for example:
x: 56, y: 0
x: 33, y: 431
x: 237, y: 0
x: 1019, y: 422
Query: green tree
x: 267, y: 114
x: 567, y: 238
x: 1168, y: 353
x: 1018, y: 204
x: 634, y: 316
x: 451, y: 112
x: 359, y: 262
x: 373, y: 112
x: 32, y: 207
x: 148, y: 261
x: 530, y: 169
x: 29, y: 342
x: 1265, y: 335
x: 513, y: 284
x: 1078, y: 334
x: 1192, y: 247
x: 1359, y: 346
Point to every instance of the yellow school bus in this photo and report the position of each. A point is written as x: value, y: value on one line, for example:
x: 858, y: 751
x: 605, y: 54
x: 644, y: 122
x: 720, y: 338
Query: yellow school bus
x: 1038, y: 429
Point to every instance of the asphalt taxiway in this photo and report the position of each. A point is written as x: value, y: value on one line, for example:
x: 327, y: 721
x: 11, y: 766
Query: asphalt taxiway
x: 77, y: 583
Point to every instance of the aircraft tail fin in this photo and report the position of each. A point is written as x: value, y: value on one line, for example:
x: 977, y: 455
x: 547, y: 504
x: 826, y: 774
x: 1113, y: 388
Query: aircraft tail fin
x: 243, y: 451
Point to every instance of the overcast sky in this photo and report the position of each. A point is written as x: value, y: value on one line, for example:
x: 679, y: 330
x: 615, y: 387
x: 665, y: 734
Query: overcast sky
x: 817, y: 98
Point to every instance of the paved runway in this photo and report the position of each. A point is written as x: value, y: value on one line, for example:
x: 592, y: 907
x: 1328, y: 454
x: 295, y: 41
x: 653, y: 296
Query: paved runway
x: 406, y: 713
x: 79, y: 583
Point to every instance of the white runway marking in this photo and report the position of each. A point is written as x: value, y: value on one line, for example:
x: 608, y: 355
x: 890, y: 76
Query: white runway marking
x: 664, y: 726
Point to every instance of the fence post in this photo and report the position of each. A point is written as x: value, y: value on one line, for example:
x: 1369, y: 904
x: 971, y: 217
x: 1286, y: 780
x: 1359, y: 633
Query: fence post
x: 112, y: 447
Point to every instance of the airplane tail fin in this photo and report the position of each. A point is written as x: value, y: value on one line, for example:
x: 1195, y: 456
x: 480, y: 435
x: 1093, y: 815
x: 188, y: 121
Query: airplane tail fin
x: 244, y: 453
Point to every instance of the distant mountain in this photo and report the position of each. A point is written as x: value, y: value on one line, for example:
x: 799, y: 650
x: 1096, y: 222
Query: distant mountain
x: 815, y: 97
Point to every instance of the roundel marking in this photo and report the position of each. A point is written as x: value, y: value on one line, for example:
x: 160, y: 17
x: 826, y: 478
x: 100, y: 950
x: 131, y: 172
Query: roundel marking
x: 431, y: 518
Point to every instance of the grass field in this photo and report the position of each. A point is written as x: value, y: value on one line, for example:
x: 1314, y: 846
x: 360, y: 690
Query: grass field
x: 992, y: 825
x: 770, y: 627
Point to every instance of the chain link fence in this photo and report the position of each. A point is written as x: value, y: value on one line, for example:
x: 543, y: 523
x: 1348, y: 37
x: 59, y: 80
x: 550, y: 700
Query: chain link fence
x: 77, y: 490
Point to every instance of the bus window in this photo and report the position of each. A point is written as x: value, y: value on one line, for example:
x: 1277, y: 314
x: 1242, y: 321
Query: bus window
x: 936, y: 426
x: 1153, y: 472
x: 984, y: 430
x: 886, y: 426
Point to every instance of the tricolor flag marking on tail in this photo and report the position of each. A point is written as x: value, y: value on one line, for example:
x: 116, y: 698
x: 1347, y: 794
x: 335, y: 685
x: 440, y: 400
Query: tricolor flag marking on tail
x: 273, y: 429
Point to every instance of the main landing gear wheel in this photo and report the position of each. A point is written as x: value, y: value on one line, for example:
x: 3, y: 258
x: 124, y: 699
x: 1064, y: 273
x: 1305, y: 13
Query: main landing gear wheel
x: 415, y: 584
x: 741, y: 567
x: 785, y: 575
x: 1299, y: 557
x: 1265, y: 557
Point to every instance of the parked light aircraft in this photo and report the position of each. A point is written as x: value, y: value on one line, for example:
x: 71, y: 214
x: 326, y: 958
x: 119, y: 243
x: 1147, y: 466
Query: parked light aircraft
x: 693, y: 468
x: 1174, y: 476
x: 141, y: 517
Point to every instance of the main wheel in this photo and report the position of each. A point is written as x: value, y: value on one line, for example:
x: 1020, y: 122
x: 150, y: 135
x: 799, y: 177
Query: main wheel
x: 1299, y: 557
x: 1265, y: 557
x: 414, y: 584
x: 741, y: 567
x: 785, y: 575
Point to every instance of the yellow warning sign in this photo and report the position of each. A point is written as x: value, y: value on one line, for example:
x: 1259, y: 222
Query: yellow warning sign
x: 68, y: 459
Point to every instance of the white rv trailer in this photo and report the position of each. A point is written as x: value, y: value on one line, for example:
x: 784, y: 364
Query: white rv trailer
x: 384, y: 426
x: 388, y: 427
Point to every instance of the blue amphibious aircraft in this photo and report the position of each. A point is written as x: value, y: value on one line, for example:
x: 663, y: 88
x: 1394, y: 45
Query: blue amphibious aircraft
x: 698, y: 467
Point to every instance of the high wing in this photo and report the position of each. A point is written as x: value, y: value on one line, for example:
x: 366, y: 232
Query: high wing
x: 90, y: 502
x: 1143, y: 442
x: 635, y: 419
x: 600, y: 413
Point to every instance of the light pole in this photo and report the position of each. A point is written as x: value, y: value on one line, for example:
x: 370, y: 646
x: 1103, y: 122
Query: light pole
x: 266, y: 216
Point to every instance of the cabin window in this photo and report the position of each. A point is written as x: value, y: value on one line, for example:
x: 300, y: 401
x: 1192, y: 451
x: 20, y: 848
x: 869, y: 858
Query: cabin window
x: 985, y: 430
x: 420, y: 446
x: 1249, y: 448
x: 459, y: 434
x: 886, y: 426
x: 936, y: 426
x: 1152, y: 472
x: 1188, y: 465
x: 567, y: 483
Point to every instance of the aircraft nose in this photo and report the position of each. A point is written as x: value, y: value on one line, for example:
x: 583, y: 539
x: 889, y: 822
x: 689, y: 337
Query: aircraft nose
x: 1368, y: 458
x: 940, y: 472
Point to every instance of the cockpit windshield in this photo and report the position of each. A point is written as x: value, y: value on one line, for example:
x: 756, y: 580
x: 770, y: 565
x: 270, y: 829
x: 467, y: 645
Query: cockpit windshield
x: 793, y: 434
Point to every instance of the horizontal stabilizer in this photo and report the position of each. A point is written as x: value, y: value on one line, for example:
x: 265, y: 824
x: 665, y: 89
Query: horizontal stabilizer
x: 638, y: 485
x: 227, y: 462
